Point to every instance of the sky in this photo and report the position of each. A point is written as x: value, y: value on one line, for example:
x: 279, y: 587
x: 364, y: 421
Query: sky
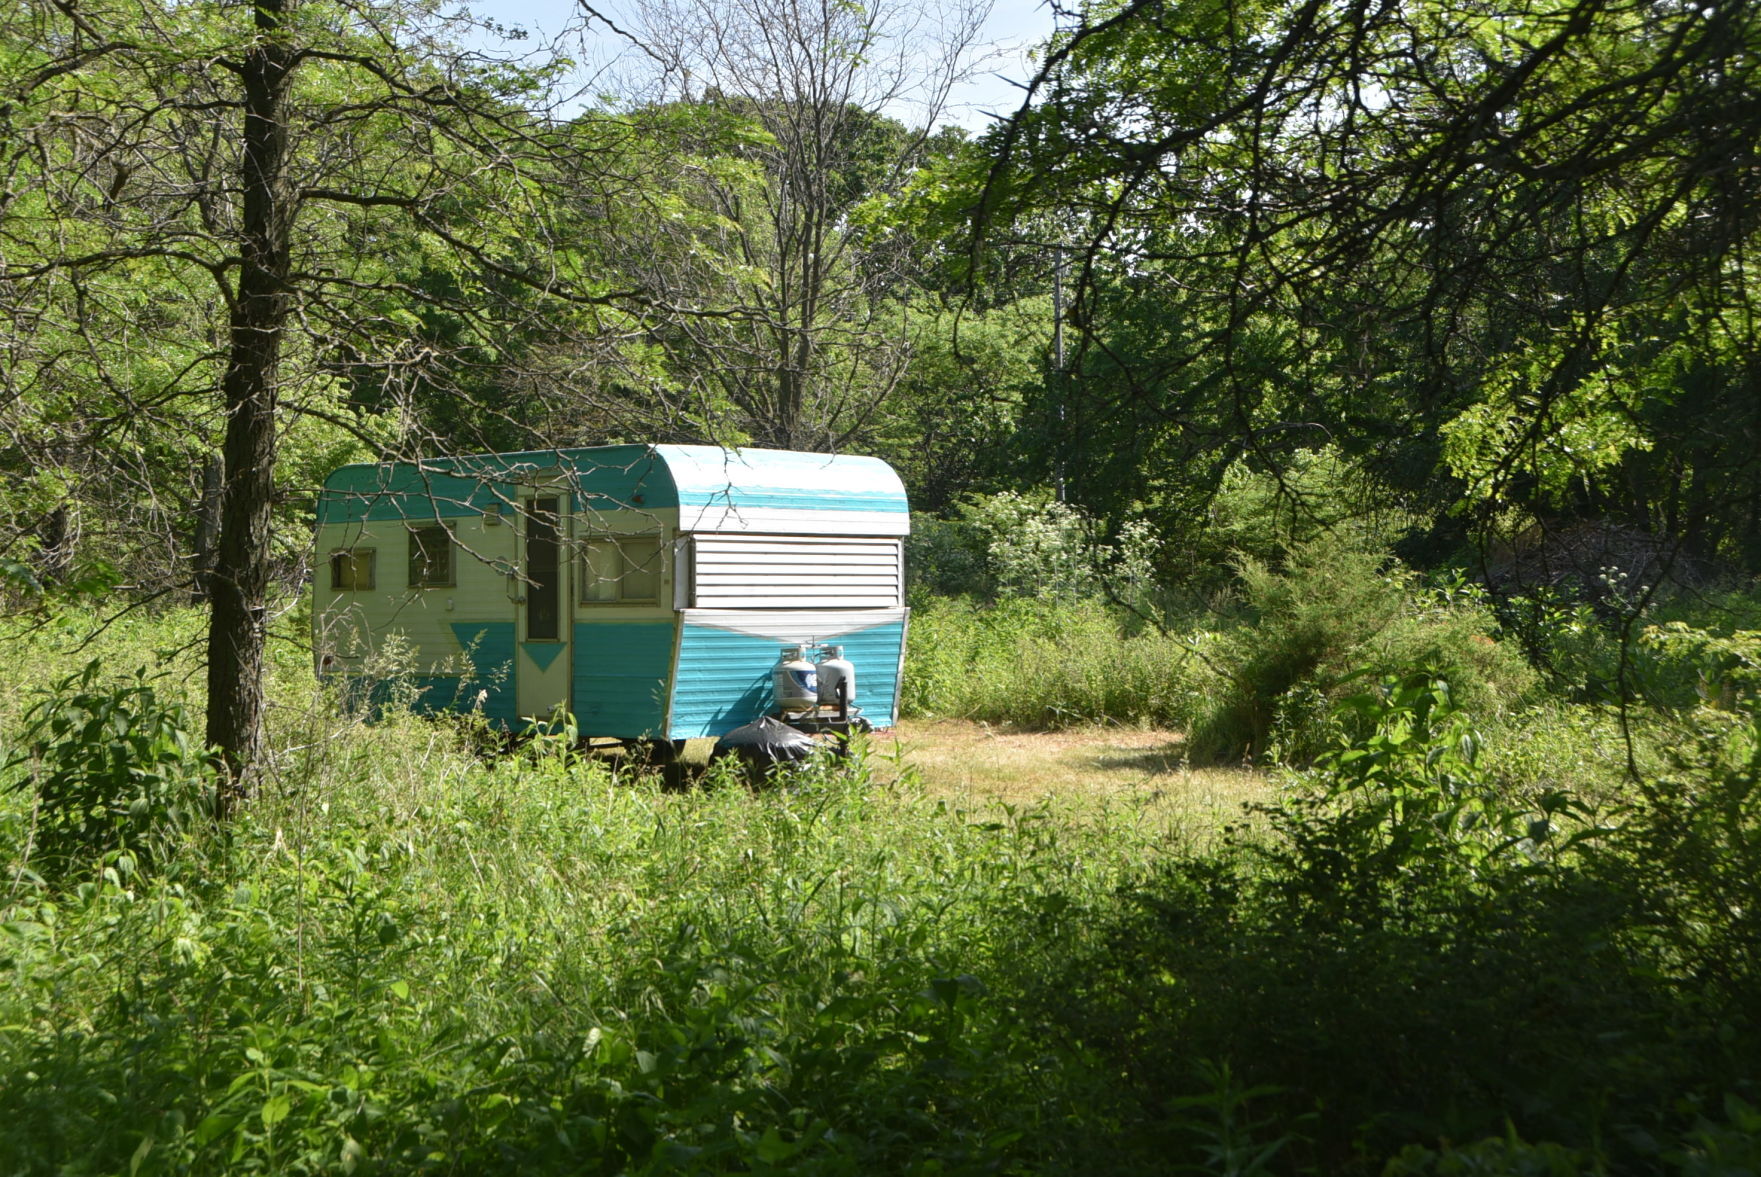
x: 1014, y: 28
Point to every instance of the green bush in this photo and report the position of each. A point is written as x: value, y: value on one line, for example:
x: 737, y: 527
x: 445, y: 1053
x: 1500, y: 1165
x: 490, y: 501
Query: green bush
x: 1316, y: 493
x: 1642, y: 651
x: 409, y: 956
x: 1396, y: 957
x: 110, y: 768
x: 1581, y: 750
x: 1031, y: 546
x: 946, y: 558
x: 1329, y: 610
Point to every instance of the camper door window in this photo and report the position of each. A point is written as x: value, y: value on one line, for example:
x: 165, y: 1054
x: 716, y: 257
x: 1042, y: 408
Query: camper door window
x: 624, y: 570
x: 431, y: 562
x: 351, y: 570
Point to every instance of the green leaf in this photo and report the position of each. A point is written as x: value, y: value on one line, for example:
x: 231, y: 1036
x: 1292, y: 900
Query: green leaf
x: 772, y: 1148
x: 215, y: 1126
x: 275, y: 1111
x: 140, y: 1154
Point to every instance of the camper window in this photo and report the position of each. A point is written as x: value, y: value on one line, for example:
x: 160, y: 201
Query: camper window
x: 623, y: 570
x: 351, y: 570
x: 431, y: 563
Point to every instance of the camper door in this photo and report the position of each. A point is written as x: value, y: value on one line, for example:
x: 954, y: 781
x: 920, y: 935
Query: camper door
x: 543, y: 602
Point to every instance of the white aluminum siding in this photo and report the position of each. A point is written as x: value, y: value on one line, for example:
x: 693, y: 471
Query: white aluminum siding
x: 795, y: 572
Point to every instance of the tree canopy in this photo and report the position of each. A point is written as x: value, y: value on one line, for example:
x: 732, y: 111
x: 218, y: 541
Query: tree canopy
x: 1497, y: 253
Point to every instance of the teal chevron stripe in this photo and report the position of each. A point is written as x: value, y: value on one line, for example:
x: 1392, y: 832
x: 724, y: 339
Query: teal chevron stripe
x: 542, y: 653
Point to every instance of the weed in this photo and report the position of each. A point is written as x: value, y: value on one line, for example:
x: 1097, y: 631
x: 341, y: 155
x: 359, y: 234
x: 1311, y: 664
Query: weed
x: 409, y: 955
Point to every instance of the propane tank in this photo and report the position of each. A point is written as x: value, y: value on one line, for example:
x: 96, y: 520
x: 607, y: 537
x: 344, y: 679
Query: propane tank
x: 794, y: 681
x: 834, y: 669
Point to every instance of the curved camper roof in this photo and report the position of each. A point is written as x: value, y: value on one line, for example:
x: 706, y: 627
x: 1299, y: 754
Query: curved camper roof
x: 777, y: 492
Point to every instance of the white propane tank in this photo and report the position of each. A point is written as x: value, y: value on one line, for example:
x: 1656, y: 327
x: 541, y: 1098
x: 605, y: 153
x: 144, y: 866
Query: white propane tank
x: 794, y: 681
x: 835, y: 669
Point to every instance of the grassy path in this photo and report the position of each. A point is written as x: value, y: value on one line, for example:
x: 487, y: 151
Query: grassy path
x: 1103, y: 770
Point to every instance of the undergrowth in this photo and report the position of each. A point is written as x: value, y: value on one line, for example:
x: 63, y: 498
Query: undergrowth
x: 1046, y: 664
x: 416, y: 951
x: 406, y: 956
x: 1401, y: 961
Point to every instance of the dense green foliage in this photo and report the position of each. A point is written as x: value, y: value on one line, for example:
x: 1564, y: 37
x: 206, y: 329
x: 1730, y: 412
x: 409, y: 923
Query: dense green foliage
x: 1412, y: 959
x: 1386, y: 272
x: 1472, y: 248
x: 1255, y: 679
x: 406, y: 956
x: 109, y: 769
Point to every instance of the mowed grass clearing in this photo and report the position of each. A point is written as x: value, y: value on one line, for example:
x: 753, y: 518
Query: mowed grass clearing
x: 1098, y: 770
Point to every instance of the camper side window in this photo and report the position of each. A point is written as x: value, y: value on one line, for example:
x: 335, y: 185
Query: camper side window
x: 351, y: 570
x: 431, y: 563
x: 624, y: 570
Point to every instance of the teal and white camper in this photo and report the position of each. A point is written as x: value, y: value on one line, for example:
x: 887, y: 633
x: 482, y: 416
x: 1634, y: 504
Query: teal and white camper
x: 649, y: 590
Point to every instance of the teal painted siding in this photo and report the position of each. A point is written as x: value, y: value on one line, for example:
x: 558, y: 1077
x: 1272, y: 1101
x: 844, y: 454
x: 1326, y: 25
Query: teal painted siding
x: 374, y: 492
x: 447, y: 488
x: 490, y: 646
x: 724, y: 677
x: 620, y: 677
x: 875, y: 654
x: 615, y: 477
x: 797, y: 500
x: 425, y: 694
x: 723, y: 681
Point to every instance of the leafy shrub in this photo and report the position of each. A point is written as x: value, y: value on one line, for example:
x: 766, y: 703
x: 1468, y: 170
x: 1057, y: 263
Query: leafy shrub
x: 945, y: 558
x: 1584, y: 751
x: 1725, y: 670
x: 1496, y: 1156
x: 1398, y: 955
x: 1582, y: 652
x: 1671, y: 651
x: 113, y: 768
x: 423, y: 962
x: 1690, y: 846
x: 1327, y: 611
x: 1011, y: 545
x: 1315, y: 494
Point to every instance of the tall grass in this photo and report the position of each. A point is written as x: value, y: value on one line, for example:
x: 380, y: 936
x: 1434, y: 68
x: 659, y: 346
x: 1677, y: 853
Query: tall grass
x: 411, y: 953
x: 1048, y: 664
x: 405, y: 956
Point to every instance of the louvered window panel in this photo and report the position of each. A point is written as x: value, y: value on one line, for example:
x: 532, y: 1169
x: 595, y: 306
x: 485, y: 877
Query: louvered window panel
x: 794, y: 572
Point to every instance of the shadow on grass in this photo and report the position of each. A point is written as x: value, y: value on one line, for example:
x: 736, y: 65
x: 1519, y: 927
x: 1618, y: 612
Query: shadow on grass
x: 1164, y: 760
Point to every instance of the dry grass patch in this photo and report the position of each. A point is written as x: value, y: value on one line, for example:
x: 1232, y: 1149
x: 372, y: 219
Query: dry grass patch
x: 1084, y: 770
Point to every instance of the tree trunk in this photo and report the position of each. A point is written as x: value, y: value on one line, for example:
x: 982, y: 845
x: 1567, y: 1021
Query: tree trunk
x: 55, y: 534
x: 239, y: 583
x: 207, y: 527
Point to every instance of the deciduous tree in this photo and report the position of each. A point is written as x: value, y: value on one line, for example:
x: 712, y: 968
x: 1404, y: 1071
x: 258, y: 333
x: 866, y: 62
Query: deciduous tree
x: 259, y: 185
x: 813, y: 337
x: 1485, y: 248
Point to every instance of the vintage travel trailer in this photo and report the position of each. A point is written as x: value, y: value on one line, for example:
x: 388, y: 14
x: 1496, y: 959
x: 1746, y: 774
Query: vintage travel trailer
x: 652, y: 591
